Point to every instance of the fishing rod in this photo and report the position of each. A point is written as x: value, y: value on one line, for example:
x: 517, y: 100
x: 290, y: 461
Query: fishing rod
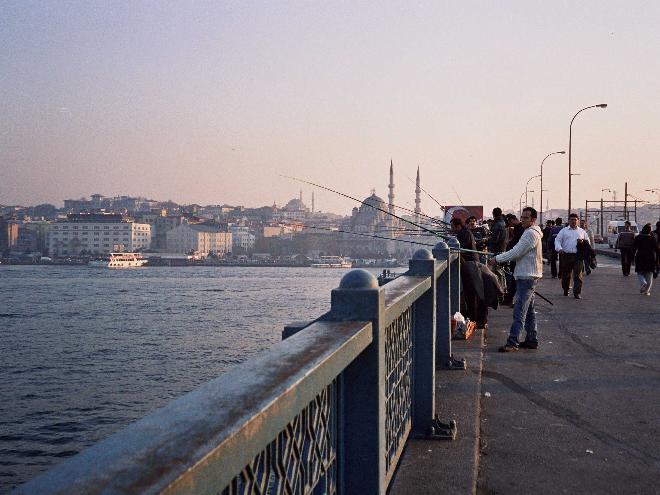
x: 370, y: 235
x: 508, y: 272
x: 460, y: 249
x: 428, y: 194
x: 432, y: 219
x: 437, y: 234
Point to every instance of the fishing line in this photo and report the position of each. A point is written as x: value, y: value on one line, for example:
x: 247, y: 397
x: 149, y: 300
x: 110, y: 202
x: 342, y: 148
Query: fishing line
x: 437, y: 234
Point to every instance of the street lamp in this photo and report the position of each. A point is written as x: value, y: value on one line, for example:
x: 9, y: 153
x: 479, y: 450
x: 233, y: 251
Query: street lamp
x: 554, y: 153
x: 534, y: 177
x: 570, y: 137
x: 653, y: 191
x: 520, y: 200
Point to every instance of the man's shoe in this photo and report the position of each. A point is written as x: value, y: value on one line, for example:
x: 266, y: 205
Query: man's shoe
x: 577, y: 296
x: 565, y: 292
x: 642, y: 289
x: 508, y: 348
x: 528, y: 345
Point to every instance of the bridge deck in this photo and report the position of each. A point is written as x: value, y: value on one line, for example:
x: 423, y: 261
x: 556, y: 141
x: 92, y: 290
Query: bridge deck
x: 579, y: 415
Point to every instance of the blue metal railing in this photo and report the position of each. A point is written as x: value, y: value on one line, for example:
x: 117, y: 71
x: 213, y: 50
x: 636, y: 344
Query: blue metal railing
x: 328, y: 410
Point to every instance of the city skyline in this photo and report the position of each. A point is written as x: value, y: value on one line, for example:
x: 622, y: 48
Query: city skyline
x: 212, y: 102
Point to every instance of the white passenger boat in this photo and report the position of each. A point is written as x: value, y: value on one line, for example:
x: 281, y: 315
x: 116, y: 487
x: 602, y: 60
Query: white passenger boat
x: 118, y: 260
x: 332, y: 262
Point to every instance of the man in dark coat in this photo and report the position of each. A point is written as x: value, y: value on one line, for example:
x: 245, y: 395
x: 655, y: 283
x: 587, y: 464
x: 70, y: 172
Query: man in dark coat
x: 498, y: 233
x: 554, y: 256
x: 624, y: 243
x: 656, y: 234
x: 475, y: 307
x: 645, y: 249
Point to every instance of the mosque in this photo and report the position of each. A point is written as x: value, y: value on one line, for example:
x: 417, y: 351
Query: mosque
x: 371, y: 218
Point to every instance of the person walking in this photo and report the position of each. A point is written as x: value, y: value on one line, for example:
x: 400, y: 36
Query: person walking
x: 566, y: 245
x: 624, y: 243
x: 587, y: 259
x: 656, y: 234
x: 554, y: 256
x: 527, y: 254
x: 645, y: 249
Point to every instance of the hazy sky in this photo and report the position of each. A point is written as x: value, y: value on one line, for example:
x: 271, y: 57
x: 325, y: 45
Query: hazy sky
x: 208, y: 102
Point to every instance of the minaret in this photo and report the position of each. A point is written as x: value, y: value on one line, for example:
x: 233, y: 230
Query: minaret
x: 312, y: 201
x: 301, y: 195
x: 390, y: 196
x: 418, y: 200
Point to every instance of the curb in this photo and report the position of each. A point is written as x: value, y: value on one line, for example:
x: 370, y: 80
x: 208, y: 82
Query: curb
x: 438, y: 466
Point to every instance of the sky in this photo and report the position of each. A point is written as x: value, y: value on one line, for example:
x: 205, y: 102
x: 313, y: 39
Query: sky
x: 212, y: 102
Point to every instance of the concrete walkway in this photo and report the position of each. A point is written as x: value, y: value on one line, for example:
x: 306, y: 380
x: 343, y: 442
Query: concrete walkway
x: 579, y: 415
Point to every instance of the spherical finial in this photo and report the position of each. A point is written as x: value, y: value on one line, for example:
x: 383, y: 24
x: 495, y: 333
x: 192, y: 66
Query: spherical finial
x: 439, y: 248
x: 453, y: 243
x: 358, y: 279
x: 422, y: 254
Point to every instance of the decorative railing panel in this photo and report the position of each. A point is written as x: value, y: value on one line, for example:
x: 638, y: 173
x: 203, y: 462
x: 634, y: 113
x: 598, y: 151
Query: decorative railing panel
x: 302, y: 459
x: 398, y: 384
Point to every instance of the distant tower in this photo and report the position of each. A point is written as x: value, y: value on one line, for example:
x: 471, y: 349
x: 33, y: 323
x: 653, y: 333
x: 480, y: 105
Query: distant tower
x: 532, y: 201
x: 390, y: 196
x: 312, y: 201
x: 547, y: 205
x: 301, y: 195
x: 418, y: 199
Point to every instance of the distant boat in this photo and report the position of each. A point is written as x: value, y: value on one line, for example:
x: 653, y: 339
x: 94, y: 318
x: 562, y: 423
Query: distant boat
x: 118, y: 260
x: 332, y: 262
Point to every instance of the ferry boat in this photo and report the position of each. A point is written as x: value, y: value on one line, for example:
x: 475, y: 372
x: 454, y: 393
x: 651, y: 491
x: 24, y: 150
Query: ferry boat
x: 332, y: 262
x: 118, y: 260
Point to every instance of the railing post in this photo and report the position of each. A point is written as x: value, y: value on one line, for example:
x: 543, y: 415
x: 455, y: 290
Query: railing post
x: 362, y: 393
x: 443, y: 306
x: 423, y: 264
x: 455, y: 276
x: 443, y: 354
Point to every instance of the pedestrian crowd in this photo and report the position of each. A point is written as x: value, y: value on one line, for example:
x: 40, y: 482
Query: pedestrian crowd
x: 502, y: 261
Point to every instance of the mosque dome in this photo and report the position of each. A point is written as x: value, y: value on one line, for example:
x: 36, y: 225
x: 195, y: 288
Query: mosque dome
x: 295, y: 205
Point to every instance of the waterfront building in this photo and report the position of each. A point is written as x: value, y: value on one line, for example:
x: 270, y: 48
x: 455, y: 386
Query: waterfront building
x: 33, y: 236
x: 97, y: 233
x: 243, y: 239
x: 281, y: 229
x: 199, y: 238
x: 8, y: 234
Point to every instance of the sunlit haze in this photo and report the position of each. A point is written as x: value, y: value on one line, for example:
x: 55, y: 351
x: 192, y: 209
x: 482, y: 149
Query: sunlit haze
x: 209, y: 102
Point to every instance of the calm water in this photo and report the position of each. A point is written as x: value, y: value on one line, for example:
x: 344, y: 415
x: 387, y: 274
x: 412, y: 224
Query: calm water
x: 86, y: 351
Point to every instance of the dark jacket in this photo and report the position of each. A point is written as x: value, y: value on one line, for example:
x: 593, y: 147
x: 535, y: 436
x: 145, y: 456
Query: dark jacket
x: 645, y: 248
x: 498, y: 236
x: 466, y: 240
x: 518, y: 231
x: 550, y: 242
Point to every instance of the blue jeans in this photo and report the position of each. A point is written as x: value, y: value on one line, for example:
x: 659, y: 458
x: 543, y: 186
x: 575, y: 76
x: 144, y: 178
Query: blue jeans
x: 523, y: 312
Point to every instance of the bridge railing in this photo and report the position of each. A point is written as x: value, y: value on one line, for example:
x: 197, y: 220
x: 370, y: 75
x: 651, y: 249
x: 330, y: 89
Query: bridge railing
x: 328, y: 410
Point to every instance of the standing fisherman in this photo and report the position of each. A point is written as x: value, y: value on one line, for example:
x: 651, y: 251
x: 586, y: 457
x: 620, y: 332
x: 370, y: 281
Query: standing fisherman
x: 527, y: 254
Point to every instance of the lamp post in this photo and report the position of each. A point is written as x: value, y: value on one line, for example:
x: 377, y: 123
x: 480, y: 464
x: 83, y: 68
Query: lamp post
x: 520, y: 200
x: 550, y: 154
x: 526, y: 185
x: 656, y: 191
x: 570, y: 138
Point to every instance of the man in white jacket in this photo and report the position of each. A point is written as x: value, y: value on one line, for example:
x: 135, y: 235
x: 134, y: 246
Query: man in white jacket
x: 529, y: 269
